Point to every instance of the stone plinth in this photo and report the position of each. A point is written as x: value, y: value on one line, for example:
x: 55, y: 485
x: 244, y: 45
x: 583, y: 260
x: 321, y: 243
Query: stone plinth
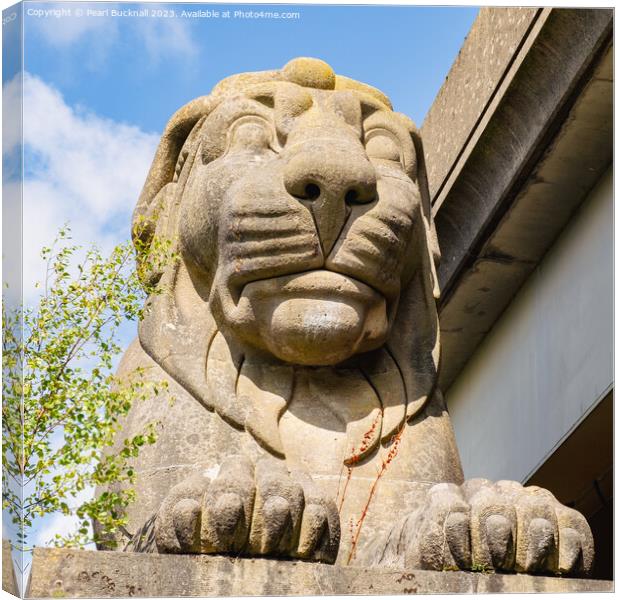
x: 79, y: 573
x: 9, y: 581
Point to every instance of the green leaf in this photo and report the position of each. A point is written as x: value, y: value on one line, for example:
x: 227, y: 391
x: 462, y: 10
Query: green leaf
x: 62, y: 404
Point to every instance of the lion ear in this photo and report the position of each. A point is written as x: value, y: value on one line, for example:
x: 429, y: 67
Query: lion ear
x: 163, y: 178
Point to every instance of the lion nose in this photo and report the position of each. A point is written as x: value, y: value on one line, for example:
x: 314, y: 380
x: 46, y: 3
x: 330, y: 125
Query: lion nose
x: 328, y: 181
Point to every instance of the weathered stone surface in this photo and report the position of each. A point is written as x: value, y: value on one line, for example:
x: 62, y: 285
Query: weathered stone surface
x: 487, y: 525
x: 79, y: 574
x: 473, y: 80
x: 303, y: 308
x: 299, y: 332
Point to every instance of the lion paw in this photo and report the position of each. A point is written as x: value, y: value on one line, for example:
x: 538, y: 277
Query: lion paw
x: 249, y: 510
x: 499, y: 526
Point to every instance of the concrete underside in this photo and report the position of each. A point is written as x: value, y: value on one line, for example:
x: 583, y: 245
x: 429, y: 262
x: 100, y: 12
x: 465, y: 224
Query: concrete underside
x: 509, y: 173
x: 63, y: 573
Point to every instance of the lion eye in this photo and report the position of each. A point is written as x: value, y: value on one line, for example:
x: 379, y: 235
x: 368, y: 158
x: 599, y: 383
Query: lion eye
x: 250, y: 134
x: 383, y: 146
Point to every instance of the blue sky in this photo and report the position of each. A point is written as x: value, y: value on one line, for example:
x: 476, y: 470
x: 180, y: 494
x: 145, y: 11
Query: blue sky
x: 98, y: 92
x: 140, y: 70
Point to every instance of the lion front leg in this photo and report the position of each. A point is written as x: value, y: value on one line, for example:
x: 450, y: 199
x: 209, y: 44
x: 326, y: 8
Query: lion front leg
x: 482, y: 526
x: 251, y: 510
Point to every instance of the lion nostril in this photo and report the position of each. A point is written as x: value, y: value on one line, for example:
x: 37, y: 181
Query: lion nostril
x: 355, y: 196
x: 351, y: 197
x: 312, y: 191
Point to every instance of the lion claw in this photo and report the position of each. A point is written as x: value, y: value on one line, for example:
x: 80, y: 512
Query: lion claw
x: 486, y: 526
x: 253, y: 510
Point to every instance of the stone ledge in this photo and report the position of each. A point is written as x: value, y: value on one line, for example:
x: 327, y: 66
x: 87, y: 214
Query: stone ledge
x: 474, y: 79
x: 63, y: 573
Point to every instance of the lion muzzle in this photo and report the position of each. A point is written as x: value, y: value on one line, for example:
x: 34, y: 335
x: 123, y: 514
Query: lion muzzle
x: 315, y: 318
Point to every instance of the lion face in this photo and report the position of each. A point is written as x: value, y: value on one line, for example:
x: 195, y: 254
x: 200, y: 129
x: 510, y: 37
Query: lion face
x: 302, y: 220
x: 299, y: 205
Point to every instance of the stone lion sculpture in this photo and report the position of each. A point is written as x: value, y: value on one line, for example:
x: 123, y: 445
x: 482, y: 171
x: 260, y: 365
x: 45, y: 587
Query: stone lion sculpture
x: 300, y: 336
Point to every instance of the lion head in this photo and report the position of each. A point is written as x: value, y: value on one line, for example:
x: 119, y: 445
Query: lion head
x: 299, y: 206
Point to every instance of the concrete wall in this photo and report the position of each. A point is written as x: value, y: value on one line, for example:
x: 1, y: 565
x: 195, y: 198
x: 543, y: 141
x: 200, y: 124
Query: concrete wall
x: 549, y: 359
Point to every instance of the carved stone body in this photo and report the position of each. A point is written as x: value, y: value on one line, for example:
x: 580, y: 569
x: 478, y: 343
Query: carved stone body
x: 299, y: 333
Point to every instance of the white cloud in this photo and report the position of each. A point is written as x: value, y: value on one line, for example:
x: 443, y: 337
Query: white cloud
x: 11, y: 115
x: 60, y: 524
x: 60, y: 30
x: 45, y: 529
x: 57, y: 524
x: 159, y: 37
x: 82, y: 169
x: 11, y: 244
x: 165, y: 38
